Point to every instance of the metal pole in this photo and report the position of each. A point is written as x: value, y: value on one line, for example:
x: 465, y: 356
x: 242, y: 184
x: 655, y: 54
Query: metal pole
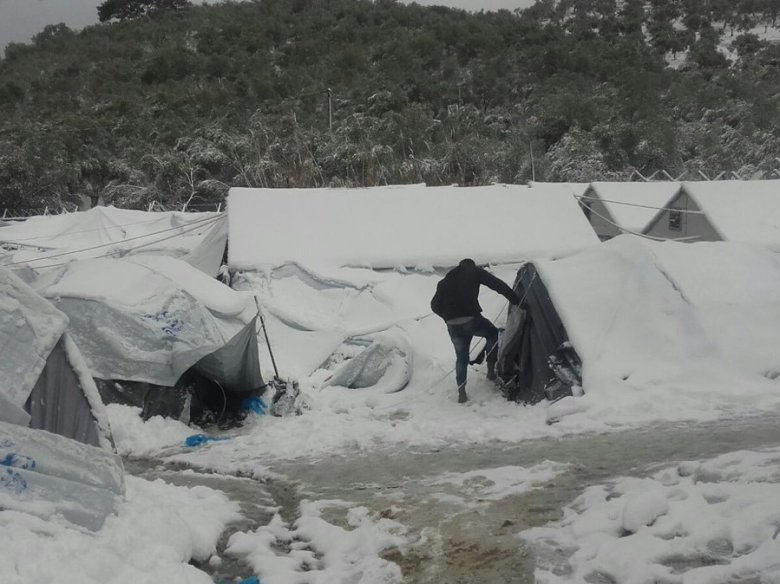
x: 265, y: 334
x: 330, y: 109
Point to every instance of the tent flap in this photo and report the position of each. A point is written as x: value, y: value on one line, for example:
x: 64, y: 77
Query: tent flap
x: 235, y: 365
x: 536, y: 359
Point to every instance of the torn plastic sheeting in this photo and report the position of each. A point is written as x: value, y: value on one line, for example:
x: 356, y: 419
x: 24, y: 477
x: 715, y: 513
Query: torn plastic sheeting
x: 385, y: 365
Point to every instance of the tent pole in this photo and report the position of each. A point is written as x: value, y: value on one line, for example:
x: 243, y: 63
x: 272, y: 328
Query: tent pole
x: 265, y: 334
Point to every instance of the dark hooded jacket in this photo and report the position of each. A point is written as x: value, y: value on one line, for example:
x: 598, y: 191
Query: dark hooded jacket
x: 458, y: 292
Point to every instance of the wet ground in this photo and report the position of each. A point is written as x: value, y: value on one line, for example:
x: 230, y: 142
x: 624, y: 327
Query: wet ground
x: 456, y: 538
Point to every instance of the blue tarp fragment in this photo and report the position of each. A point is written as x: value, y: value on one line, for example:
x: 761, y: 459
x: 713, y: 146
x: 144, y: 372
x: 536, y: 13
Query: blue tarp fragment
x: 200, y: 439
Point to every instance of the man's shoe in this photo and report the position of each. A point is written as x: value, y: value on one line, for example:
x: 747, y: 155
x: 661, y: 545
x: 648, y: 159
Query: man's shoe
x: 491, y: 374
x: 462, y: 397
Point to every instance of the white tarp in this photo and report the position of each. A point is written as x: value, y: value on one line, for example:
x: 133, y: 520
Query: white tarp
x: 47, y: 475
x: 30, y: 327
x: 145, y: 318
x: 49, y: 241
x: 375, y: 227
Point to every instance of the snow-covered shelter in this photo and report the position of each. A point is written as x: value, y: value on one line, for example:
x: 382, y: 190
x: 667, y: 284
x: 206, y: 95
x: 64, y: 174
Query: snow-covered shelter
x: 613, y: 208
x: 49, y: 241
x: 401, y: 226
x: 44, y: 382
x: 160, y: 334
x: 342, y: 272
x: 659, y: 316
x: 55, y: 446
x: 729, y: 210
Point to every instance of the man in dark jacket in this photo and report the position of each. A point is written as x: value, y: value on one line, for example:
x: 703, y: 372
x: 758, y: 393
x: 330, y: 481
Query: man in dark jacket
x: 456, y: 301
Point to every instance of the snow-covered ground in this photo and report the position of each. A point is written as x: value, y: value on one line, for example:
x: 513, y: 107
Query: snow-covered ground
x: 667, y: 332
x: 706, y: 357
x: 695, y: 522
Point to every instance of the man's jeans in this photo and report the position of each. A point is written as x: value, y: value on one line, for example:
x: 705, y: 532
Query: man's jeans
x: 461, y: 335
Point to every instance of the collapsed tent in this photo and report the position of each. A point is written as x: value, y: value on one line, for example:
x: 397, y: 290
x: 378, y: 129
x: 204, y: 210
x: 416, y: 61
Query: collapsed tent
x: 658, y: 316
x: 55, y: 447
x: 48, y: 241
x: 160, y: 334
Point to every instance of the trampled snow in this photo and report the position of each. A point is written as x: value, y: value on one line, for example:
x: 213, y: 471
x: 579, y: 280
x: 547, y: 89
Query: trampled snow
x: 157, y: 529
x: 696, y: 522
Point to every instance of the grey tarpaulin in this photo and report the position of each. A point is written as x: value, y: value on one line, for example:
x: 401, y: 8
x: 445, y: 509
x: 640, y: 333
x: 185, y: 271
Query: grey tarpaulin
x: 236, y: 365
x: 57, y: 402
x: 534, y: 335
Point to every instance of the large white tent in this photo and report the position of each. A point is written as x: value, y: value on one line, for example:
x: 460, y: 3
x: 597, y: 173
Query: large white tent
x: 409, y: 226
x: 660, y: 316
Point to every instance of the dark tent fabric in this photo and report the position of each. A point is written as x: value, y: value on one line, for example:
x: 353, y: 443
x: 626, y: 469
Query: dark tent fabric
x: 57, y: 402
x: 213, y: 388
x: 236, y: 365
x: 535, y: 359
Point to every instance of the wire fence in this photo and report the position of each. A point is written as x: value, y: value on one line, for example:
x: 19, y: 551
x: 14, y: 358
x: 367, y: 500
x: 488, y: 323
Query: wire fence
x: 748, y: 173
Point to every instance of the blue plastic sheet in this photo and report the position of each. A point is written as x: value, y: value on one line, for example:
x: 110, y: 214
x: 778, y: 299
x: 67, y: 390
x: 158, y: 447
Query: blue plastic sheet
x: 200, y: 440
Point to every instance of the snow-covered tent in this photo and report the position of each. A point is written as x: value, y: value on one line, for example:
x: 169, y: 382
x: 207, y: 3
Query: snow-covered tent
x: 177, y: 339
x: 729, y: 210
x: 49, y: 241
x: 660, y: 315
x: 388, y: 227
x: 310, y: 240
x: 577, y: 189
x: 44, y: 382
x: 55, y: 445
x: 625, y: 207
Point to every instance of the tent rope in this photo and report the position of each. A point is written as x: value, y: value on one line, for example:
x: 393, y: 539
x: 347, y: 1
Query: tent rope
x: 643, y: 235
x: 691, y: 211
x: 181, y: 231
x: 106, y: 228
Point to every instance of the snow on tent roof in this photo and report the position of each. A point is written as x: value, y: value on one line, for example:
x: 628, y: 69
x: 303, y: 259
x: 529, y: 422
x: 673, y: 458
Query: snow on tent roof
x: 658, y: 317
x: 634, y: 204
x: 44, y: 381
x: 102, y: 231
x: 741, y: 210
x: 385, y: 227
x: 577, y: 188
x: 146, y: 318
x: 30, y: 327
